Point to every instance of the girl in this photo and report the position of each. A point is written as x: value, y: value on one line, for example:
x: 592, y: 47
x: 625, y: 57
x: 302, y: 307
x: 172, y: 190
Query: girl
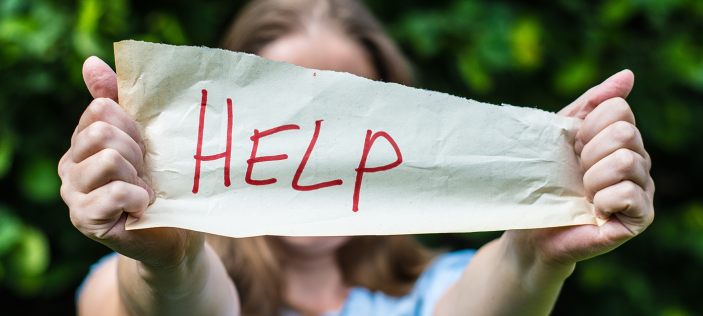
x: 170, y: 271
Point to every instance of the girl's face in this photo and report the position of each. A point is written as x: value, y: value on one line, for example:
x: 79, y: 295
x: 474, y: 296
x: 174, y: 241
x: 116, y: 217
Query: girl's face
x: 321, y: 48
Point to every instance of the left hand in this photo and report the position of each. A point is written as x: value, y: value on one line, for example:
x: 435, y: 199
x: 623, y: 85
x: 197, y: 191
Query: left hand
x: 616, y: 180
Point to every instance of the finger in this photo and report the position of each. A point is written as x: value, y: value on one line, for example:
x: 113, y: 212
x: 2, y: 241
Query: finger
x: 100, y: 79
x: 106, y: 110
x: 618, y: 85
x: 618, y: 135
x: 99, y: 136
x: 629, y: 201
x: 96, y: 213
x: 100, y: 169
x: 64, y: 164
x: 623, y: 164
x: 64, y: 173
x: 606, y: 114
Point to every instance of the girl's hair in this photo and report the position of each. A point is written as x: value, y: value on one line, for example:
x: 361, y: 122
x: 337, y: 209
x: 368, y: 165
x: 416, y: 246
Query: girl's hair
x: 264, y: 21
x: 390, y: 264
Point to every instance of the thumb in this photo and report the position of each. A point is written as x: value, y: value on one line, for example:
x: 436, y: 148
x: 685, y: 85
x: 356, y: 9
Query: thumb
x: 99, y: 78
x: 618, y: 85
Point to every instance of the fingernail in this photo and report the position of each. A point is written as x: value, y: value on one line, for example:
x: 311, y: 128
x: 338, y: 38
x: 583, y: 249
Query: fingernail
x: 151, y: 193
x: 578, y: 146
x: 599, y: 215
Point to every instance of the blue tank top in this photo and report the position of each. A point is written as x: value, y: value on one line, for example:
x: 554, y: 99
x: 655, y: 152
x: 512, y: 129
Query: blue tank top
x: 429, y: 288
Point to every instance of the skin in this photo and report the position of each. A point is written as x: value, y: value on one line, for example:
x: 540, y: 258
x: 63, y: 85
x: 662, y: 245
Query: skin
x: 170, y: 271
x: 314, y: 281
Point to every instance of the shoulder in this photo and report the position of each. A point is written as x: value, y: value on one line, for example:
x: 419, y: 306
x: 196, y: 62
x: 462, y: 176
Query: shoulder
x: 444, y: 271
x: 446, y: 266
x: 438, y: 277
x: 99, y: 294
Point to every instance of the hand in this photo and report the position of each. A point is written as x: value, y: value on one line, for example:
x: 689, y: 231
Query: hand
x: 101, y: 181
x: 616, y: 179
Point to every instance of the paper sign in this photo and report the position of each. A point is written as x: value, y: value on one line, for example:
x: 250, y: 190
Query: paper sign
x: 238, y: 145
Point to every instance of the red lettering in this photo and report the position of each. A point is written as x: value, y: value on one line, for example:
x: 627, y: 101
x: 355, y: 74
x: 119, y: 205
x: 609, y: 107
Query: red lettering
x: 253, y: 159
x: 227, y: 154
x: 298, y: 172
x: 362, y: 165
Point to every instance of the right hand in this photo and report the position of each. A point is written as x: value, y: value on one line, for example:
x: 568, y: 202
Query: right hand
x: 101, y: 179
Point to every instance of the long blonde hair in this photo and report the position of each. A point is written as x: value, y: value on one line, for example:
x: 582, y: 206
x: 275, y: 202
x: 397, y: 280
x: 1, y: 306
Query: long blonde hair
x: 390, y: 264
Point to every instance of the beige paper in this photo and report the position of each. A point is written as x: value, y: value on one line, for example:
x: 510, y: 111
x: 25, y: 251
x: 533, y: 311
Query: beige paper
x: 463, y: 165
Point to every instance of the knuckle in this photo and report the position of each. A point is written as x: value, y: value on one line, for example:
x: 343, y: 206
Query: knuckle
x: 64, y: 192
x: 77, y: 215
x: 622, y: 110
x: 133, y: 176
x: 116, y: 166
x: 628, y: 192
x: 624, y: 132
x: 650, y: 215
x: 620, y: 104
x: 97, y: 108
x: 625, y: 160
x: 119, y: 193
x: 110, y: 160
x: 99, y: 132
x: 62, y: 168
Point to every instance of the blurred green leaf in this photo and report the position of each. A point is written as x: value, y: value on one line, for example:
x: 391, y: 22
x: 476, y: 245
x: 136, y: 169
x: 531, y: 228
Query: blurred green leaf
x: 85, y: 38
x: 89, y: 13
x: 5, y: 153
x: 36, y: 32
x: 26, y: 249
x: 674, y: 311
x: 10, y: 230
x: 673, y: 126
x: 694, y: 216
x: 575, y: 76
x: 658, y: 11
x: 421, y: 31
x: 31, y: 258
x: 615, y: 12
x: 525, y: 39
x: 169, y: 28
x: 40, y: 181
x: 39, y: 81
x: 28, y: 286
x: 473, y: 73
x: 596, y: 275
x: 10, y: 7
x: 684, y: 59
x: 114, y: 21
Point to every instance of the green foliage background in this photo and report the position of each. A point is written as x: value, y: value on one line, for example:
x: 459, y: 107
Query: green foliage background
x: 539, y: 54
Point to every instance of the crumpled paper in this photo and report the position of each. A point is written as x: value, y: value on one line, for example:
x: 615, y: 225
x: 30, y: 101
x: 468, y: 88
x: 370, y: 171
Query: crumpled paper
x: 336, y: 154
